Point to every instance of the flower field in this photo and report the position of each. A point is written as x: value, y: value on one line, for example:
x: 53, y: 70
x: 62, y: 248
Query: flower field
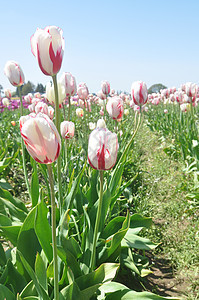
x: 97, y: 188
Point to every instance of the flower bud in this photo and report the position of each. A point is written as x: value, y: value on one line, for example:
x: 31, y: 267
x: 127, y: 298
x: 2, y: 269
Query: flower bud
x: 139, y: 92
x: 82, y: 91
x: 41, y: 137
x: 69, y: 83
x: 105, y: 87
x: 115, y: 107
x: 67, y: 129
x: 102, y: 149
x: 47, y: 46
x: 14, y: 73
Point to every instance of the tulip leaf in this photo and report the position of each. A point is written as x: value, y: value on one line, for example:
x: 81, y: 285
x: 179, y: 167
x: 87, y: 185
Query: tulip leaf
x: 10, y: 233
x: 28, y: 243
x: 29, y: 290
x: 132, y: 240
x: 6, y: 195
x: 14, y: 211
x: 41, y: 292
x: 40, y: 271
x: 5, y: 293
x: 127, y: 294
x: 2, y: 256
x: 43, y: 230
x: 34, y: 187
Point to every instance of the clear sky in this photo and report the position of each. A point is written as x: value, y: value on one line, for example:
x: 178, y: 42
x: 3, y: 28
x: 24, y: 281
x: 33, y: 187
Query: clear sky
x: 156, y: 41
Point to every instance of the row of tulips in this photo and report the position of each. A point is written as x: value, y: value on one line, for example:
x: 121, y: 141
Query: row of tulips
x: 72, y: 240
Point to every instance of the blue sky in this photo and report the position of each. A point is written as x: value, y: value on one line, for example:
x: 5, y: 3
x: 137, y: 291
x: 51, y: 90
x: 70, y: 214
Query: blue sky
x: 156, y: 41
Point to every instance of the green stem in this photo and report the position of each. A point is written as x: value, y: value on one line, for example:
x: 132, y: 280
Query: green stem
x: 53, y: 224
x: 93, y: 259
x: 69, y: 108
x: 57, y: 123
x: 23, y: 147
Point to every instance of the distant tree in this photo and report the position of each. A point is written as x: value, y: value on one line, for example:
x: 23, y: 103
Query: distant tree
x: 28, y: 87
x: 40, y: 88
x: 155, y: 88
x: 1, y: 88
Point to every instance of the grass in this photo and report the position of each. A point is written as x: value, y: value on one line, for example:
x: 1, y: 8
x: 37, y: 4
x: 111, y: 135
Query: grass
x: 162, y: 195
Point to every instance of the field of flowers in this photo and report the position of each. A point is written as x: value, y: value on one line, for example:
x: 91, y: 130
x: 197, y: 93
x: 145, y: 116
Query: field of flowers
x: 76, y: 219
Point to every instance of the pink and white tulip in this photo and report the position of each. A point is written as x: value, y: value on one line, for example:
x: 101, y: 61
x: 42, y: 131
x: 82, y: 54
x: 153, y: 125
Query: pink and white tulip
x: 102, y: 149
x: 69, y: 83
x: 14, y: 73
x: 67, y: 129
x: 105, y: 87
x: 115, y: 107
x: 41, y: 137
x: 82, y: 91
x: 47, y: 46
x: 139, y: 92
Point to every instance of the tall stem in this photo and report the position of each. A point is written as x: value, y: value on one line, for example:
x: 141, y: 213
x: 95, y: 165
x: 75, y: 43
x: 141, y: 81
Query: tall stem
x: 93, y: 258
x: 69, y: 108
x: 53, y: 224
x: 57, y: 123
x: 23, y: 146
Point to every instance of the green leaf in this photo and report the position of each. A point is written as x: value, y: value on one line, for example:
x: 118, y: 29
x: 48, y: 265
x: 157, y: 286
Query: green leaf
x: 132, y: 240
x: 12, y: 277
x: 71, y: 292
x: 34, y: 187
x: 41, y: 293
x: 10, y: 233
x: 40, y: 271
x: 28, y: 243
x: 140, y: 221
x: 70, y: 260
x: 43, y: 230
x: 105, y: 273
x: 115, y: 241
x: 2, y: 256
x: 5, y: 293
x: 5, y: 185
x: 14, y: 211
x: 6, y: 195
x: 29, y: 290
x: 68, y: 201
x: 127, y: 294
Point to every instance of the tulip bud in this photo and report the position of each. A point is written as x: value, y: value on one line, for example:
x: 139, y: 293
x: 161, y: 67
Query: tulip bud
x: 67, y: 129
x: 102, y: 149
x: 139, y: 92
x: 91, y: 125
x: 79, y: 112
x: 14, y: 73
x: 105, y: 87
x: 101, y: 123
x: 6, y: 102
x: 7, y: 93
x: 82, y: 91
x: 115, y: 107
x: 50, y: 93
x: 69, y: 83
x: 50, y: 112
x: 41, y: 107
x: 191, y: 89
x: 13, y: 123
x: 47, y: 46
x: 41, y: 138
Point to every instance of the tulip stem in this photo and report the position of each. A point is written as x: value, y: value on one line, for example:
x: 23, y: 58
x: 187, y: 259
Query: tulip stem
x: 23, y: 147
x: 53, y: 224
x: 95, y: 237
x: 57, y: 123
x: 69, y: 108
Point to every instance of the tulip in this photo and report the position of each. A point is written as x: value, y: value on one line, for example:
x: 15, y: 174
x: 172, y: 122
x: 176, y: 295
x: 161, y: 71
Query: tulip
x: 41, y: 107
x: 6, y: 102
x: 7, y: 93
x: 50, y: 93
x: 115, y: 107
x: 31, y: 108
x: 41, y: 137
x: 14, y: 73
x: 126, y: 112
x: 82, y: 91
x: 91, y: 125
x: 69, y: 83
x: 47, y: 46
x: 67, y: 129
x: 50, y: 112
x: 13, y: 123
x: 79, y: 112
x: 139, y: 93
x: 105, y: 87
x: 102, y: 149
x: 191, y: 89
x: 101, y: 123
